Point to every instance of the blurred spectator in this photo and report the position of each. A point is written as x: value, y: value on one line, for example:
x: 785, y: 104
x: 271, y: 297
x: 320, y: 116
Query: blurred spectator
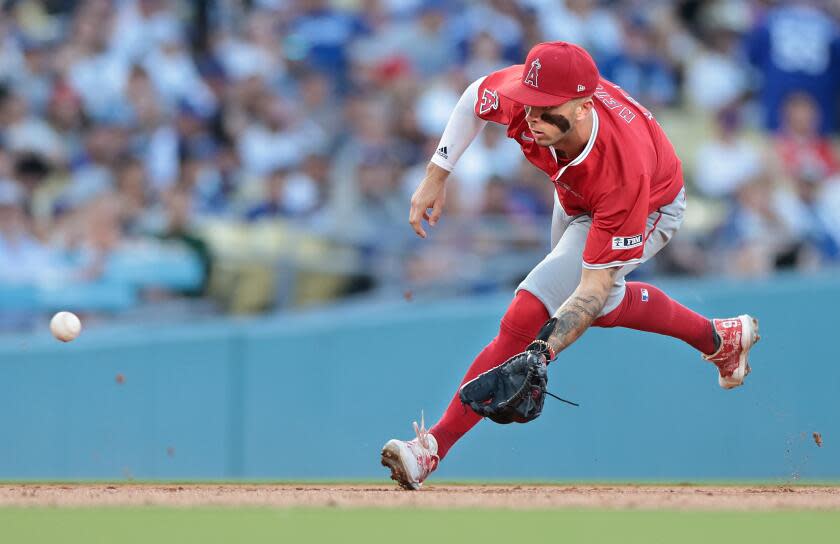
x: 496, y: 18
x: 815, y: 217
x: 803, y: 151
x: 94, y: 71
x: 34, y: 80
x: 141, y: 26
x: 99, y: 220
x: 583, y: 22
x: 716, y: 77
x: 796, y: 47
x: 67, y: 117
x: 641, y: 70
x: 179, y: 228
x: 485, y: 57
x: 23, y: 258
x: 495, y: 201
x: 810, y: 161
x: 307, y: 187
x: 503, y: 200
x: 93, y: 173
x: 380, y: 203
x: 134, y: 196
x: 319, y: 106
x: 433, y: 28
x: 207, y: 192
x: 390, y: 42
x: 435, y: 103
x: 257, y: 53
x: 320, y: 35
x: 491, y: 154
x: 286, y: 194
x: 176, y: 77
x: 727, y: 161
x: 31, y: 171
x: 828, y: 209
x: 277, y: 138
x: 759, y: 236
x: 25, y: 131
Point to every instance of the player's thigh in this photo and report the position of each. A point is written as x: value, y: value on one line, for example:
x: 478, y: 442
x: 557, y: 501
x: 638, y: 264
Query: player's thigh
x: 556, y: 277
x: 662, y: 225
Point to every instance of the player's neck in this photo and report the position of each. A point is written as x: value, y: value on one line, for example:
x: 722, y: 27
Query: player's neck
x: 572, y: 145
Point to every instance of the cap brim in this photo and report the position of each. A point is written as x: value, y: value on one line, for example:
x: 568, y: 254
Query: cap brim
x: 528, y: 96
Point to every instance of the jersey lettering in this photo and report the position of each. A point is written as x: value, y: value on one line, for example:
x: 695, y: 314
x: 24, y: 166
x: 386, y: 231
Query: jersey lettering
x: 611, y: 103
x: 627, y: 114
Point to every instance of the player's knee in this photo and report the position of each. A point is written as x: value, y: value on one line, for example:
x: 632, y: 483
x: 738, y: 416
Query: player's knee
x: 611, y: 318
x: 525, y: 315
x: 608, y: 320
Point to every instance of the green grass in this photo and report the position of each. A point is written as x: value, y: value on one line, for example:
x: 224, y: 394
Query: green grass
x: 252, y: 525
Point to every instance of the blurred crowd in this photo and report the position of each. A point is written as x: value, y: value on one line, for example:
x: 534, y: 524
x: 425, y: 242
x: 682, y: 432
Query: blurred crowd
x: 273, y: 145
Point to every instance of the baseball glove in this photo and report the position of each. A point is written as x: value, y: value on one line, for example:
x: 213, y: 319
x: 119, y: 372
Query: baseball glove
x: 515, y: 390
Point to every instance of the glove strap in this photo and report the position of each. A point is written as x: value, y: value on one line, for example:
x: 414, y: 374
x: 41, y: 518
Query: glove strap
x: 547, y: 329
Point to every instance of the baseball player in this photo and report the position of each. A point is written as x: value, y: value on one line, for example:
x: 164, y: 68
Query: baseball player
x: 619, y: 199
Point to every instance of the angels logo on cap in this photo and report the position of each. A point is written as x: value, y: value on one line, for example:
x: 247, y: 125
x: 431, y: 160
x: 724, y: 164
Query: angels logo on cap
x: 532, y: 78
x: 553, y: 73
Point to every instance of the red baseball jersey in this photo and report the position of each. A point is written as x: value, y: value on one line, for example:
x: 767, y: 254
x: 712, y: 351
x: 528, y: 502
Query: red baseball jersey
x: 627, y: 170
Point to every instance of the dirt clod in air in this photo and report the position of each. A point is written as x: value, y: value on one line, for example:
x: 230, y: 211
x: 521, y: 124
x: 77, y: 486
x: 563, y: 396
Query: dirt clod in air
x: 119, y: 378
x: 818, y: 439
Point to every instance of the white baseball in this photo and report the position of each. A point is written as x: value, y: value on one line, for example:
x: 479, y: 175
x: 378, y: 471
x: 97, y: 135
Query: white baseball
x: 65, y: 326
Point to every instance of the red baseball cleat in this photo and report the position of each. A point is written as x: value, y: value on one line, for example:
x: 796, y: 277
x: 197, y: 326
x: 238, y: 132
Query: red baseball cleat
x: 411, y: 461
x: 737, y: 335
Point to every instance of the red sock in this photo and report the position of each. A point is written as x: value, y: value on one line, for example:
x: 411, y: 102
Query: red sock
x: 520, y: 325
x: 646, y: 308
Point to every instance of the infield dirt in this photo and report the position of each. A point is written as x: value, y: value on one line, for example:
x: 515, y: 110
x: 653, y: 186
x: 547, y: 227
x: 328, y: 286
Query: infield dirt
x: 677, y: 497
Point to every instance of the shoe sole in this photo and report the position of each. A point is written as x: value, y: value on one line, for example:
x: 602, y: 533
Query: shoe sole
x: 749, y: 337
x: 391, y: 459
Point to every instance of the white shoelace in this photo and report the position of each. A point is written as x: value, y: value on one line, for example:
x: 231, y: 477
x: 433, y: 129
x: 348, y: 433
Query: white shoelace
x: 421, y: 432
x: 426, y: 459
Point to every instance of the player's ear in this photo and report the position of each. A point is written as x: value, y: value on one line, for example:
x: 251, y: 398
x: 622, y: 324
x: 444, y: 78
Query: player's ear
x: 584, y: 108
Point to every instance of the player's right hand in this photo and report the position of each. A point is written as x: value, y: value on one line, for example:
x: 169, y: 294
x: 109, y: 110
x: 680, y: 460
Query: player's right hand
x: 428, y: 200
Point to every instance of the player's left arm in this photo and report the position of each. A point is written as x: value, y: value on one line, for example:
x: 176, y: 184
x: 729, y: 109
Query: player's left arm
x: 582, y: 308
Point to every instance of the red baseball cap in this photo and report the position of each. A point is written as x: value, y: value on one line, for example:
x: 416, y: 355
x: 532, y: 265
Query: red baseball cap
x: 553, y: 73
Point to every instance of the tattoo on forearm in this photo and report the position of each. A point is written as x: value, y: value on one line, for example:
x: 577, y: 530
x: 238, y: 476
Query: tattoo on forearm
x: 567, y: 322
x: 573, y: 318
x: 587, y: 305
